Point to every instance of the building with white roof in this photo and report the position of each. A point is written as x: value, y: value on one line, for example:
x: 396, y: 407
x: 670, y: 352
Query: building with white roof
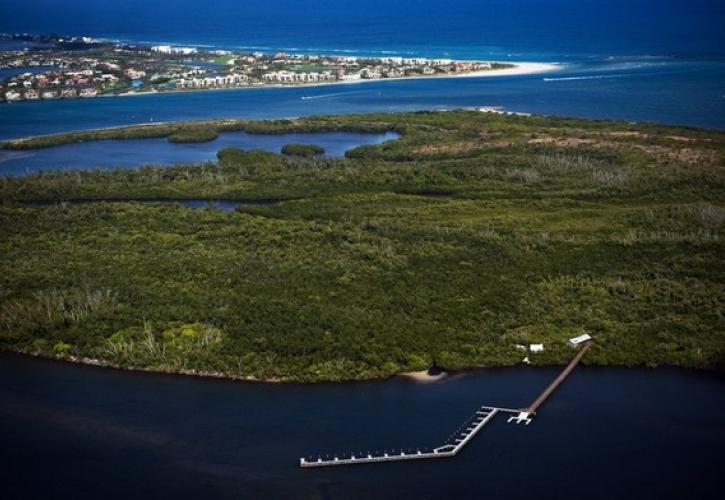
x: 575, y: 341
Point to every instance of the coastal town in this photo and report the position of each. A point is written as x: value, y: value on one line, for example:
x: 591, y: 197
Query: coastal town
x: 36, y: 67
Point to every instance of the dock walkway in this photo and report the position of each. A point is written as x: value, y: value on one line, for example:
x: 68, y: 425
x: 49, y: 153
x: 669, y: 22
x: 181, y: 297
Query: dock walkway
x: 565, y: 373
x: 461, y: 437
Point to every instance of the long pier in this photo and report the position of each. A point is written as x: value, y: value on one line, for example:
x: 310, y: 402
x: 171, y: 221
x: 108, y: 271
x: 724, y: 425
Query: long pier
x: 460, y: 438
x: 552, y: 387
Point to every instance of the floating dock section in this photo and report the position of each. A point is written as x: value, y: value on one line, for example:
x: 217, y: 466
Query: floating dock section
x: 455, y: 443
x: 460, y: 438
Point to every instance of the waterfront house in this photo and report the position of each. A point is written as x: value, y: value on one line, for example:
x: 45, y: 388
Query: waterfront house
x: 393, y: 73
x: 134, y: 73
x: 370, y: 74
x: 12, y: 95
x: 70, y: 92
x: 32, y: 94
x: 88, y: 92
x: 212, y: 81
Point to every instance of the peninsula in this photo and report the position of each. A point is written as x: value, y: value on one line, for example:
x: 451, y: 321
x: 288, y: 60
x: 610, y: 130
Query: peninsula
x: 52, y: 67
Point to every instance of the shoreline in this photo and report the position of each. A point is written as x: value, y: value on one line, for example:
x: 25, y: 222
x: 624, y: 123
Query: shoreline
x: 519, y: 69
x: 420, y: 377
x: 522, y: 68
x: 423, y: 377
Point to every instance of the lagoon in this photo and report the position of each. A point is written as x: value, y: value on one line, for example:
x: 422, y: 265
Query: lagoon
x: 111, y: 154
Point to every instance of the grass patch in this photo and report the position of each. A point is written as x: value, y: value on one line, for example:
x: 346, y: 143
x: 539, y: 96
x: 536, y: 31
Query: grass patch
x: 193, y: 136
x: 303, y: 150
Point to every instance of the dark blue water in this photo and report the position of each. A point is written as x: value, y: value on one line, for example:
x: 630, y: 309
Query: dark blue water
x: 80, y: 432
x: 642, y: 89
x: 112, y: 154
x: 644, y: 60
x: 466, y: 27
x: 7, y: 45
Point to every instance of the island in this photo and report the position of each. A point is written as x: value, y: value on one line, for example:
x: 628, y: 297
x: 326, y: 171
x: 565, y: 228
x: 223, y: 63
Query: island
x: 54, y: 66
x: 475, y: 239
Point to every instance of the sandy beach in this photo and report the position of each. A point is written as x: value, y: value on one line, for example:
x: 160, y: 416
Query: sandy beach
x: 520, y: 68
x: 424, y: 376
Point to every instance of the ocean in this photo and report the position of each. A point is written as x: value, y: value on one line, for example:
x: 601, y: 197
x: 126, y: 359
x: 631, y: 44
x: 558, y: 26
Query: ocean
x: 640, y: 60
x: 460, y: 28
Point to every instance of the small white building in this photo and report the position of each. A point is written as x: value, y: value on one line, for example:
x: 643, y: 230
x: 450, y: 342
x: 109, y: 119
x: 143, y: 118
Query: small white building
x: 11, y: 95
x: 536, y: 347
x: 162, y: 49
x: 575, y: 341
x: 168, y: 49
x: 88, y: 92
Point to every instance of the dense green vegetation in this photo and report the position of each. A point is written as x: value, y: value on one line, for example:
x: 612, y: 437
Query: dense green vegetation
x: 131, y: 132
x: 193, y: 136
x: 472, y: 233
x: 302, y: 150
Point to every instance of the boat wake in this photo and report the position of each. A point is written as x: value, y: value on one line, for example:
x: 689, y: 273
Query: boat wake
x: 593, y: 77
x: 324, y: 96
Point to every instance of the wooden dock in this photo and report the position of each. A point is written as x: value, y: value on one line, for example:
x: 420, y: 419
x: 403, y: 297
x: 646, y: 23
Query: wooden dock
x: 460, y: 438
x: 562, y: 376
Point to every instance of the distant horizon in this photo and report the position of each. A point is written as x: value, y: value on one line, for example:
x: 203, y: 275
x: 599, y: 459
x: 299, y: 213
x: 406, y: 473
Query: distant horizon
x: 431, y: 51
x: 561, y: 27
